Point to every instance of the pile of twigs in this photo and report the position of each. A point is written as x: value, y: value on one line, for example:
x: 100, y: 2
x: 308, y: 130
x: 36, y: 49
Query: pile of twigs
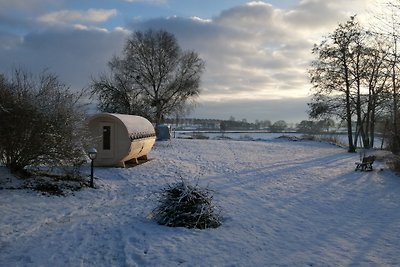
x: 184, y: 205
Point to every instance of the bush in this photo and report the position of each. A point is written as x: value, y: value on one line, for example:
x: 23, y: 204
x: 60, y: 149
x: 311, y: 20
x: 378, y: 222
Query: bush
x: 199, y: 136
x: 393, y: 161
x: 42, y: 122
x: 184, y: 205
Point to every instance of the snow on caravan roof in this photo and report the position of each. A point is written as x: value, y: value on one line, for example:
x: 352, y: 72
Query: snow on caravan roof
x: 134, y: 124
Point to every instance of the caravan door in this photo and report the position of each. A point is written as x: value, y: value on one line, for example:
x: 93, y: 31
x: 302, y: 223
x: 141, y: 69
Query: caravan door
x: 107, y: 143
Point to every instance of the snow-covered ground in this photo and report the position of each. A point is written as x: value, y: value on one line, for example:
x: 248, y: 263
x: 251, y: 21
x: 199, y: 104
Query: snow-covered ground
x: 284, y: 204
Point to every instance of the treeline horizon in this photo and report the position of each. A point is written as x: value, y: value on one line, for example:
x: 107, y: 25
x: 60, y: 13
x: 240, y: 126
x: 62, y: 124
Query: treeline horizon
x: 306, y: 126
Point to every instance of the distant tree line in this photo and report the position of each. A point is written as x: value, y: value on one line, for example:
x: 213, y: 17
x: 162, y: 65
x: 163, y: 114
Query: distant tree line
x: 305, y: 126
x: 314, y: 127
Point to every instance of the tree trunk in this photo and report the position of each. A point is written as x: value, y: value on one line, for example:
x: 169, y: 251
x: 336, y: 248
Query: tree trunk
x: 372, y: 128
x: 395, y: 135
x: 348, y: 106
x: 349, y: 126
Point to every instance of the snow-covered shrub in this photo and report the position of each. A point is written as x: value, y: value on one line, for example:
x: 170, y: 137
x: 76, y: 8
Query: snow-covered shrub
x: 199, y: 136
x: 308, y: 137
x: 393, y: 161
x: 184, y: 205
x: 42, y: 122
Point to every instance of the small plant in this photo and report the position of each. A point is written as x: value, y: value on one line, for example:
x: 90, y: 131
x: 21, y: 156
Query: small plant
x: 308, y: 137
x: 199, y: 136
x: 246, y: 137
x: 394, y: 163
x: 50, y: 189
x: 184, y: 205
x: 331, y: 139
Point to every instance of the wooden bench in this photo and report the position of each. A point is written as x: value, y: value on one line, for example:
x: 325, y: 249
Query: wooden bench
x: 365, y: 164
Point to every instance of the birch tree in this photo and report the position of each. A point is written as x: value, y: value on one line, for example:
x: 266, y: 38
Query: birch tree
x: 331, y: 73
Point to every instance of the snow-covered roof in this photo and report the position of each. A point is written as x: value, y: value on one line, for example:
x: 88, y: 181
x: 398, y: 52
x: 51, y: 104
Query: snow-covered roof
x: 136, y: 125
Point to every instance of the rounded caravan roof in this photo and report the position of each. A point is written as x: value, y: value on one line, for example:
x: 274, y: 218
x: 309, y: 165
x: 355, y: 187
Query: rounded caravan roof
x: 135, y: 125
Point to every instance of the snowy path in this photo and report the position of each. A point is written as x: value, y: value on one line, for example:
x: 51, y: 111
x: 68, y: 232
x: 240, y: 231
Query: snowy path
x: 284, y: 204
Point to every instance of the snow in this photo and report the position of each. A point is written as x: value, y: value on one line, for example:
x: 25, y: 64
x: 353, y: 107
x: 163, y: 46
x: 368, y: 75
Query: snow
x: 283, y: 203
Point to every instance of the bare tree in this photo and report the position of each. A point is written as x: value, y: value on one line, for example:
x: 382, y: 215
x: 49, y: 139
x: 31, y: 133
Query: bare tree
x: 154, y: 77
x: 332, y: 74
x: 365, y: 72
x: 392, y: 30
x: 388, y: 25
x: 377, y: 81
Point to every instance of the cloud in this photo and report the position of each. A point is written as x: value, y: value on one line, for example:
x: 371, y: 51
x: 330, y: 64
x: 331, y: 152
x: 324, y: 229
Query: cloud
x: 75, y: 16
x: 248, y: 51
x: 151, y: 2
x: 290, y: 110
x: 313, y: 14
x: 26, y: 5
x: 198, y: 19
x: 8, y: 41
x: 256, y: 54
x: 320, y: 16
x: 19, y: 14
x: 75, y: 55
x: 257, y: 51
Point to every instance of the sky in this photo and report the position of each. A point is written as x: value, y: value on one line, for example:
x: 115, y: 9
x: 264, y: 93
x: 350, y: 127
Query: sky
x: 257, y: 53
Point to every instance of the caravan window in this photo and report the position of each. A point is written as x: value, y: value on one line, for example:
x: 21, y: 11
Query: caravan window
x: 106, y: 137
